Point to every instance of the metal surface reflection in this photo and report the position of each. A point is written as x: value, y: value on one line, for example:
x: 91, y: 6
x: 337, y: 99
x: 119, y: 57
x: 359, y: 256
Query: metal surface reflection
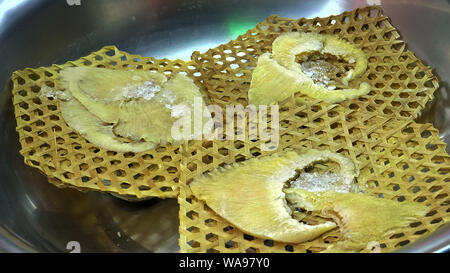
x: 8, y: 5
x: 36, y: 216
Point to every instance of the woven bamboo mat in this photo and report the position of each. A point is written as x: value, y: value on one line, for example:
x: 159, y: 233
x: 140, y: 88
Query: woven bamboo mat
x: 403, y: 161
x: 401, y: 83
x: 397, y: 158
x: 47, y: 143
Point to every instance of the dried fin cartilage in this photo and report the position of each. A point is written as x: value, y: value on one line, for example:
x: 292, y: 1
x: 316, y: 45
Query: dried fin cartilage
x: 139, y: 105
x: 361, y: 218
x: 281, y: 72
x: 250, y: 194
x: 68, y: 158
x: 94, y: 129
x: 288, y: 45
x: 320, y: 125
x: 103, y: 84
x: 347, y: 168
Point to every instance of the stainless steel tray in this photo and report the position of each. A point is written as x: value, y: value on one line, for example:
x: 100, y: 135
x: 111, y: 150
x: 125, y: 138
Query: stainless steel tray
x: 36, y: 216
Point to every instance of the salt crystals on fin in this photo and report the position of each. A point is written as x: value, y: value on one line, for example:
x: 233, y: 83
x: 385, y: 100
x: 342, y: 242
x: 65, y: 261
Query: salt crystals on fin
x: 179, y: 110
x: 49, y: 92
x: 317, y: 71
x: 176, y: 110
x: 169, y: 96
x: 146, y: 90
x: 331, y: 87
x: 315, y: 182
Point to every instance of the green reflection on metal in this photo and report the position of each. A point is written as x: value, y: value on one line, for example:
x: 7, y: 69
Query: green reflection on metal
x: 238, y: 27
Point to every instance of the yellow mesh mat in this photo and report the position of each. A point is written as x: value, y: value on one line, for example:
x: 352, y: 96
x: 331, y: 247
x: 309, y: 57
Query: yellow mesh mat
x: 403, y: 161
x: 67, y: 158
x: 397, y: 158
x: 401, y: 83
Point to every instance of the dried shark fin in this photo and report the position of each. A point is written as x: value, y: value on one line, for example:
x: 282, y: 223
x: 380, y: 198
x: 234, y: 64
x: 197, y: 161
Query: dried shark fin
x: 361, y: 218
x: 95, y: 130
x: 250, y: 195
x: 106, y: 85
x: 286, y: 47
x: 278, y: 76
x: 141, y: 105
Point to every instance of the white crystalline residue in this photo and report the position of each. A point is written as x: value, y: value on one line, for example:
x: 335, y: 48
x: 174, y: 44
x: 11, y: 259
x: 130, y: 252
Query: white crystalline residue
x: 169, y: 96
x: 351, y: 61
x: 317, y: 70
x: 331, y: 87
x: 308, y: 73
x: 179, y: 110
x: 146, y: 90
x: 315, y: 182
x: 49, y: 92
